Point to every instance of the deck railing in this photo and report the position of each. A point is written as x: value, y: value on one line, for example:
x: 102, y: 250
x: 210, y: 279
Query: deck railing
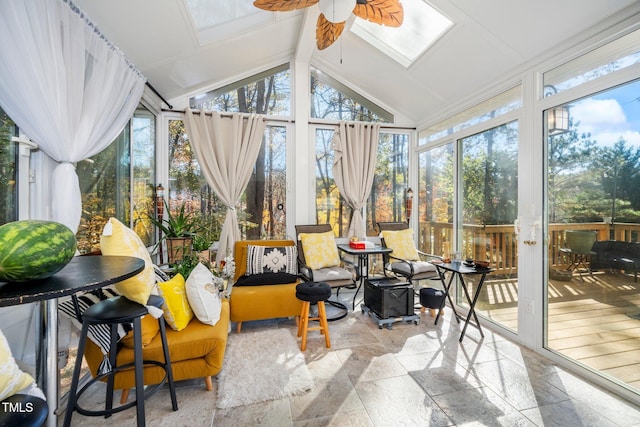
x: 498, y: 243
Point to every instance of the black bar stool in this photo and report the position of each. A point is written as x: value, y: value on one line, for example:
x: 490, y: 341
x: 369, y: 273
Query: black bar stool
x: 32, y: 411
x: 112, y: 312
x: 313, y: 292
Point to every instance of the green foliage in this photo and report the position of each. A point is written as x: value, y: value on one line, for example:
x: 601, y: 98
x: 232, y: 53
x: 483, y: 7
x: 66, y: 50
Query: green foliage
x: 7, y: 170
x: 490, y: 165
x: 186, y: 266
x: 177, y: 224
x: 588, y: 182
x: 200, y: 243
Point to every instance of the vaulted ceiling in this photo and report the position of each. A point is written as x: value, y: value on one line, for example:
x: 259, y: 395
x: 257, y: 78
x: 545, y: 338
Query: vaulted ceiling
x: 489, y: 42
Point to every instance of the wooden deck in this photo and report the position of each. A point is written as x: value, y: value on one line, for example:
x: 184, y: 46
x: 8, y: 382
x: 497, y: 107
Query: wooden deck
x: 593, y: 318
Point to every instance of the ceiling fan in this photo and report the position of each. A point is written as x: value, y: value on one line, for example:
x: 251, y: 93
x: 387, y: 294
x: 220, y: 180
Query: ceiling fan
x: 334, y: 13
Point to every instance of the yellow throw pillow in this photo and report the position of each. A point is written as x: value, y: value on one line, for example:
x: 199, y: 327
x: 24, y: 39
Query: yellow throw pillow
x: 176, y: 308
x: 401, y: 243
x: 118, y: 239
x: 150, y: 329
x: 320, y: 249
x: 12, y: 379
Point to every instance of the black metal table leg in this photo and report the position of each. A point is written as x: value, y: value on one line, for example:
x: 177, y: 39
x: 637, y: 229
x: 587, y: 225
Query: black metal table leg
x: 472, y: 305
x: 446, y: 287
x: 363, y: 266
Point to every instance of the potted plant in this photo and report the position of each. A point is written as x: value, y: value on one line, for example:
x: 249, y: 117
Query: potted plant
x: 177, y: 230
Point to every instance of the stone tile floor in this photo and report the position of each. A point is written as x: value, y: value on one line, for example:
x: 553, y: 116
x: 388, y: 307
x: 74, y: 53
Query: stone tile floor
x: 411, y: 375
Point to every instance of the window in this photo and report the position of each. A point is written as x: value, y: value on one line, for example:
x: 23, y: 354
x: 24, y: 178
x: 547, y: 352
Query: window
x: 406, y: 43
x: 507, y: 101
x: 187, y: 185
x: 143, y: 129
x: 468, y: 198
x: 330, y: 207
x: 435, y: 197
x: 386, y: 201
x: 119, y: 182
x: 8, y: 170
x: 261, y: 212
x: 262, y: 206
x: 265, y: 93
x: 216, y: 19
x: 607, y: 59
x: 333, y: 100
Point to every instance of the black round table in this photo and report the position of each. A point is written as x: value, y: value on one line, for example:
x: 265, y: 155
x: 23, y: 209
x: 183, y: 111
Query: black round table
x: 83, y: 273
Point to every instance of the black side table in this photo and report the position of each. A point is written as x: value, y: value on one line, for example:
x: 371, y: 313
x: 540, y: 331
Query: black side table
x: 83, y: 273
x: 459, y: 270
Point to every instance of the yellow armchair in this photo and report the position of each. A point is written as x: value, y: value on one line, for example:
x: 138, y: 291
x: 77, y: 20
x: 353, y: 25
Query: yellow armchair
x: 264, y: 301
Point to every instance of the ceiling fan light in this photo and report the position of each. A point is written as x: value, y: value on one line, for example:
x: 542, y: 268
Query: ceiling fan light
x: 336, y: 10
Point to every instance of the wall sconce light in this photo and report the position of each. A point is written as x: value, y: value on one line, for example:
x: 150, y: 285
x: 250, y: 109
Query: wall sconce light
x: 557, y: 120
x: 557, y: 117
x: 160, y: 201
x: 409, y: 203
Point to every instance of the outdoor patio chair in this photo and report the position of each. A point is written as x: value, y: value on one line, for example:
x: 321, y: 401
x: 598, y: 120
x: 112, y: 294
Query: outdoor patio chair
x: 405, y: 260
x: 319, y: 260
x: 578, y: 248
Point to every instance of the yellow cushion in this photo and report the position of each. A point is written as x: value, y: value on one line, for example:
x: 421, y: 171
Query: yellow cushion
x: 320, y: 249
x: 12, y: 379
x: 150, y: 328
x: 401, y: 243
x: 177, y: 311
x: 118, y: 239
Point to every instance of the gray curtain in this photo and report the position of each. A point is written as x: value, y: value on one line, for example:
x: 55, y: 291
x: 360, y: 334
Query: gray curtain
x: 355, y: 146
x: 227, y: 147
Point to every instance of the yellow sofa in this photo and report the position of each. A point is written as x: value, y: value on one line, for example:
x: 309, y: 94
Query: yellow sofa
x: 265, y: 301
x: 196, y: 352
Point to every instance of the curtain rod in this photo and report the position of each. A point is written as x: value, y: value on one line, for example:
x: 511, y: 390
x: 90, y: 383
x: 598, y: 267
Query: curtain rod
x: 224, y: 114
x: 153, y: 89
x: 382, y: 126
x: 291, y: 121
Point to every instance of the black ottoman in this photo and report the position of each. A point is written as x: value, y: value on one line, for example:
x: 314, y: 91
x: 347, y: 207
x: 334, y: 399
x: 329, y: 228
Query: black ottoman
x: 431, y: 298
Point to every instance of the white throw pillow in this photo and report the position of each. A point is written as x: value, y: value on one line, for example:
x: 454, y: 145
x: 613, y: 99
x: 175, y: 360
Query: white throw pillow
x: 203, y: 295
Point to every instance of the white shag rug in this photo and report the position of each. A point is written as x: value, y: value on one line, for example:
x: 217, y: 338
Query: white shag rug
x: 261, y: 366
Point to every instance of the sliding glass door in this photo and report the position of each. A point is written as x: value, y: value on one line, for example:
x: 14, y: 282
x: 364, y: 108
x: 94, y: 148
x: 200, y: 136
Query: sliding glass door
x: 593, y: 175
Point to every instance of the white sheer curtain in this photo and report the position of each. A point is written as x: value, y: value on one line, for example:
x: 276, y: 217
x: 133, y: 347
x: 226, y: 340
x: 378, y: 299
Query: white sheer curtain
x: 227, y: 148
x: 67, y: 87
x: 355, y: 146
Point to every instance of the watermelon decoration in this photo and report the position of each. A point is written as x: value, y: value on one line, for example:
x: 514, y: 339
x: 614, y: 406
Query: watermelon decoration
x: 34, y: 249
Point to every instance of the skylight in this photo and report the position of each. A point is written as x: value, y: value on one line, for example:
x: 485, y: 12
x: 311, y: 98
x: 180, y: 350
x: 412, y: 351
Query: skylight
x: 215, y: 19
x: 422, y: 26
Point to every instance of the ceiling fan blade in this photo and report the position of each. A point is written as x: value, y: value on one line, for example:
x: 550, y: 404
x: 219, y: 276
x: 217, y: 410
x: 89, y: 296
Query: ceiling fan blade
x: 327, y: 32
x: 283, y: 5
x: 384, y: 12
